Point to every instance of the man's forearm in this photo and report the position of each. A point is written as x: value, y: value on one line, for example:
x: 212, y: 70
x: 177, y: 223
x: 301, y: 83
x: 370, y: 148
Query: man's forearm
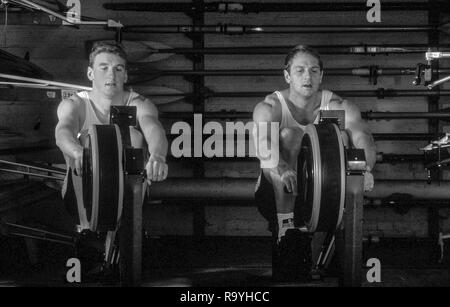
x: 68, y: 144
x: 158, y: 146
x: 365, y: 141
x: 280, y: 168
x: 156, y: 140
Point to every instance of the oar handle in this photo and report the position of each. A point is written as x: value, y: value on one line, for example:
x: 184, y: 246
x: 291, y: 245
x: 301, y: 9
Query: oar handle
x: 438, y: 82
x: 31, y: 174
x: 431, y: 55
x: 45, y: 82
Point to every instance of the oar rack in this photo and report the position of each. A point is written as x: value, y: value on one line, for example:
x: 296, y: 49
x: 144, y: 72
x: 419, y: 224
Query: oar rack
x: 436, y: 113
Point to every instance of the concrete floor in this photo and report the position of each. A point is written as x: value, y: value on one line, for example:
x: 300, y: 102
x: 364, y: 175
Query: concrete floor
x: 219, y: 262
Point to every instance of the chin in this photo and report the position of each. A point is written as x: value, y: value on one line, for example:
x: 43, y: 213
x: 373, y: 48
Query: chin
x: 308, y: 93
x: 111, y: 92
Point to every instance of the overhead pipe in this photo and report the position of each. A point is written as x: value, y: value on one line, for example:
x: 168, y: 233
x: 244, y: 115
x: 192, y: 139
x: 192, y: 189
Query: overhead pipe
x: 244, y: 189
x: 257, y: 7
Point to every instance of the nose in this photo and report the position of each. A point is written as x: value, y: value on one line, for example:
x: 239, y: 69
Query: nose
x: 307, y: 74
x: 111, y: 73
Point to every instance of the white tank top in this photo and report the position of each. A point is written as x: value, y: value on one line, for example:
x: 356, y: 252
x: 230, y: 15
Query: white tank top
x: 91, y: 118
x: 288, y: 121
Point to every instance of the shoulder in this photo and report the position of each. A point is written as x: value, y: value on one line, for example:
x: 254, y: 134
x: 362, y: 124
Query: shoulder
x: 339, y: 103
x: 143, y: 104
x: 336, y: 101
x: 70, y: 105
x: 136, y: 97
x: 351, y: 109
x: 268, y: 110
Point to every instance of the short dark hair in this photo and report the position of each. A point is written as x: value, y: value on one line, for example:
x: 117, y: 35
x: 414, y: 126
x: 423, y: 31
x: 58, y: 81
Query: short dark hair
x: 301, y: 49
x: 108, y: 47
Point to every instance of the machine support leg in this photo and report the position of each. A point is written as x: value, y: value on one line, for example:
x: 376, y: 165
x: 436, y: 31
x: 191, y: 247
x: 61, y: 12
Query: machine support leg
x: 131, y: 232
x: 349, y: 239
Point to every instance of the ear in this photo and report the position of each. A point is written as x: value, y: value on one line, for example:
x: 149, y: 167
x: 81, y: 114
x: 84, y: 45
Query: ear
x: 125, y: 80
x: 90, y: 73
x: 321, y: 76
x: 287, y: 77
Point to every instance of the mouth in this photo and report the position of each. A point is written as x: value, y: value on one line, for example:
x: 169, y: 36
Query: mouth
x: 110, y: 84
x: 308, y: 86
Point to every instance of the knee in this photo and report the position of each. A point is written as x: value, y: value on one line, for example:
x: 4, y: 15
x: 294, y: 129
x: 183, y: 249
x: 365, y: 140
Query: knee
x: 290, y: 139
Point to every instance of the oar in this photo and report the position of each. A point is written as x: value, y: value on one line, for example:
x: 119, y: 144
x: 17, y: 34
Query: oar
x: 139, y: 51
x: 258, y: 29
x: 443, y: 114
x: 143, y: 72
x: 12, y: 64
x: 256, y: 7
x: 30, y: 168
x: 40, y: 234
x: 379, y: 93
x: 160, y: 94
x: 40, y: 83
x: 65, y: 19
x: 149, y: 51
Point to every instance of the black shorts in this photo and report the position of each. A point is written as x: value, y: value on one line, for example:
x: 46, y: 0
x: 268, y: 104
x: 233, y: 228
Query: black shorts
x: 265, y: 201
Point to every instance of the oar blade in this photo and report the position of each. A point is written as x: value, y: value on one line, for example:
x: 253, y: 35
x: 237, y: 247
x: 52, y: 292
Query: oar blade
x: 160, y: 95
x: 138, y: 51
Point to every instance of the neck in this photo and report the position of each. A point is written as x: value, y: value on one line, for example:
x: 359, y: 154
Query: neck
x: 103, y: 102
x: 301, y: 101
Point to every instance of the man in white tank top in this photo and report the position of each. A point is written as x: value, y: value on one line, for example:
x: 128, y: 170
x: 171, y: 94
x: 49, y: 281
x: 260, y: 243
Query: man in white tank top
x: 108, y: 73
x: 293, y: 109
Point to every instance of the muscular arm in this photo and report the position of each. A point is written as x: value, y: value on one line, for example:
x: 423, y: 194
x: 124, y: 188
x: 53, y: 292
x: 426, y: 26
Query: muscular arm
x: 266, y: 113
x: 66, y: 132
x: 155, y: 136
x: 152, y: 129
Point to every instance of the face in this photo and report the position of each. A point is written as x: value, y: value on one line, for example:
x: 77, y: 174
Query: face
x: 305, y: 75
x: 108, y: 74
